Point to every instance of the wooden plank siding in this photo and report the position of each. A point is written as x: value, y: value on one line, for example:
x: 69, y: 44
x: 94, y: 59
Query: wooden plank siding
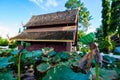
x: 58, y: 46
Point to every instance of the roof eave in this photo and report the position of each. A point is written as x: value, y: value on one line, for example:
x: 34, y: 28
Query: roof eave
x: 44, y: 40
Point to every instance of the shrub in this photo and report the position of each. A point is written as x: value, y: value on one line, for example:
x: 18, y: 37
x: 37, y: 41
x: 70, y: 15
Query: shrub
x: 4, y: 42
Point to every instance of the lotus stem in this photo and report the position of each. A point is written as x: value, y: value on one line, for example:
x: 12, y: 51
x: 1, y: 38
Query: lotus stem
x: 97, y: 71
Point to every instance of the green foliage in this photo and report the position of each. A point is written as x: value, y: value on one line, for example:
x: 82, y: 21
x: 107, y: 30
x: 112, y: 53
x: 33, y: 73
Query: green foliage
x: 99, y: 33
x: 4, y: 42
x: 37, y: 53
x: 45, y: 59
x: 84, y: 14
x: 25, y: 44
x: 84, y: 50
x: 14, y: 52
x: 46, y: 51
x: 63, y: 55
x: 106, y: 74
x: 115, y: 16
x: 29, y: 55
x: 97, y: 71
x: 43, y: 67
x: 1, y: 52
x: 56, y: 59
x: 50, y: 66
x: 118, y: 71
x: 106, y: 17
x: 75, y: 61
x: 109, y: 24
x: 109, y: 59
x: 81, y: 34
x: 105, y: 44
x: 5, y: 53
x: 68, y: 74
x: 110, y: 62
x: 52, y: 53
x: 4, y: 62
x: 87, y: 39
x: 13, y: 44
x: 7, y: 76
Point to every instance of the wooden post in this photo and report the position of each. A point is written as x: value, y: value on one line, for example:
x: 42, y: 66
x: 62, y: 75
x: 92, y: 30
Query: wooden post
x: 69, y: 46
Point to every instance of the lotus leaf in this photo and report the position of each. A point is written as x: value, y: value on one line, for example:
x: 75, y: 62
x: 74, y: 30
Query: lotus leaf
x: 4, y: 62
x: 14, y: 52
x: 45, y: 59
x: 43, y: 67
x: 56, y: 59
x: 7, y: 76
x: 106, y: 74
x: 52, y: 53
x: 28, y: 55
x: 62, y: 72
x: 37, y: 53
x: 87, y: 39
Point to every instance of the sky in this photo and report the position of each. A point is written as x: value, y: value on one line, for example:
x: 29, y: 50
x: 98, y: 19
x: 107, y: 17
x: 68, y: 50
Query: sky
x: 15, y: 13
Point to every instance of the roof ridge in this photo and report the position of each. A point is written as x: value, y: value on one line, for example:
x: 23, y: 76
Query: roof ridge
x: 55, y: 12
x: 56, y: 18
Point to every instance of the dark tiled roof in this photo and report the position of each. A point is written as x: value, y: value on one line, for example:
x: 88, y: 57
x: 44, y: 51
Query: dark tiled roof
x: 65, y: 17
x: 41, y: 36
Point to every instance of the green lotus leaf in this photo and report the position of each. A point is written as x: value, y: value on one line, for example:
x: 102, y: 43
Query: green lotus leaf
x: 87, y: 39
x: 106, y: 74
x: 43, y: 67
x: 52, y: 53
x: 63, y: 55
x: 56, y: 59
x: 28, y: 55
x: 37, y: 53
x: 62, y: 72
x: 7, y: 76
x: 45, y: 59
x: 14, y: 52
x: 1, y: 52
x: 4, y: 62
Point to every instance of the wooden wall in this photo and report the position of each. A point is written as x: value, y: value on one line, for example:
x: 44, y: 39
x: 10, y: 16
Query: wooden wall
x: 58, y: 46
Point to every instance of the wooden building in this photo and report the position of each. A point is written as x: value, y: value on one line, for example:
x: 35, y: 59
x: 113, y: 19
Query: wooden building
x: 57, y: 30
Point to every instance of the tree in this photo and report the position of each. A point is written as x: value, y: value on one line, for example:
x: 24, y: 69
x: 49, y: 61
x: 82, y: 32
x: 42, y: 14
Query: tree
x: 99, y: 33
x: 81, y: 34
x: 115, y: 16
x: 106, y: 17
x: 84, y: 14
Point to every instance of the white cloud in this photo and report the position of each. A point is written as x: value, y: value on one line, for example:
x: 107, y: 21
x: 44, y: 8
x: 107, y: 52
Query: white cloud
x: 38, y: 3
x: 45, y: 4
x: 7, y: 30
x: 51, y: 3
x: 3, y: 32
x: 91, y: 29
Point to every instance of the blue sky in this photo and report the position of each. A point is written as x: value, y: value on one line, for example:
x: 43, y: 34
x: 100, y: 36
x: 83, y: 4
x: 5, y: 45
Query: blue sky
x: 14, y: 13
